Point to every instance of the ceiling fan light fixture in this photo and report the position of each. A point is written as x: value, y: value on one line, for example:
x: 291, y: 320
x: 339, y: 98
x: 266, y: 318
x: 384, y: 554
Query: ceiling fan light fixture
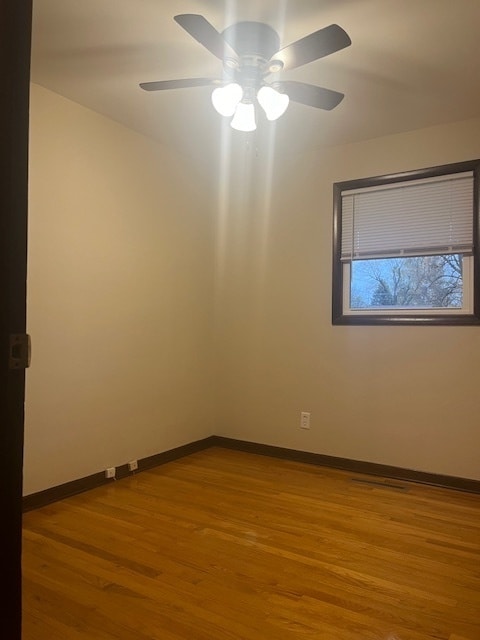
x: 225, y: 99
x: 272, y: 102
x: 250, y: 51
x: 244, y: 118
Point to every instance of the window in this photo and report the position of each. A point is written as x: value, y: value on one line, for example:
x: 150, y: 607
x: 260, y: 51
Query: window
x: 405, y: 248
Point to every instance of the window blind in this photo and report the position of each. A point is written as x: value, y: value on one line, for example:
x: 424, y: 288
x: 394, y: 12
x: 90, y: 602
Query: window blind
x: 418, y: 217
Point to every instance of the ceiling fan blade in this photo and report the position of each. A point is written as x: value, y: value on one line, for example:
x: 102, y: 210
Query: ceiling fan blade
x: 317, y: 45
x: 178, y: 84
x: 206, y: 34
x: 310, y: 95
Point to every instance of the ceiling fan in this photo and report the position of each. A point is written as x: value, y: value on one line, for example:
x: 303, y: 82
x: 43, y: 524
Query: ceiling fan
x: 250, y: 51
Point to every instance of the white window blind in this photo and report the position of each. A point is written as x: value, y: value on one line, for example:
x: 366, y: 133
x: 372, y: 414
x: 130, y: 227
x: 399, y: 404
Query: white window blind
x: 419, y: 217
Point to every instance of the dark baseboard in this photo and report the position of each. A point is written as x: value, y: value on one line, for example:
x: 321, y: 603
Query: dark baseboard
x: 355, y: 466
x: 42, y: 498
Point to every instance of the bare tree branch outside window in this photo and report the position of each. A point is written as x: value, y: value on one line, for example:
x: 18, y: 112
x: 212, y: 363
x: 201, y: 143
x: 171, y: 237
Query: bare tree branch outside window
x: 413, y: 282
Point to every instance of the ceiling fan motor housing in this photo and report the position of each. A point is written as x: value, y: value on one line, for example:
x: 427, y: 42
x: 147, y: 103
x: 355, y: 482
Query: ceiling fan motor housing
x: 255, y: 43
x: 252, y: 38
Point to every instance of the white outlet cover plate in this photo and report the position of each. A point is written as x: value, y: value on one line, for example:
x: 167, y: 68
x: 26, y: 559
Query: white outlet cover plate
x: 305, y: 420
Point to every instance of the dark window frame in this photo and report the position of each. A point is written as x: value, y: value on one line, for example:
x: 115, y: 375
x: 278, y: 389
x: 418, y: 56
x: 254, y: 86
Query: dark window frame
x: 423, y: 318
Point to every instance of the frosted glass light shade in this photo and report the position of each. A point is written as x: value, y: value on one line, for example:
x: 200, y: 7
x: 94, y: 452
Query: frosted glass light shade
x: 225, y: 99
x: 272, y: 102
x: 244, y: 118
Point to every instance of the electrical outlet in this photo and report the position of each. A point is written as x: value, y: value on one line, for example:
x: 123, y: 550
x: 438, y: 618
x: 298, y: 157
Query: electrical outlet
x: 110, y: 472
x: 133, y: 465
x: 305, y: 420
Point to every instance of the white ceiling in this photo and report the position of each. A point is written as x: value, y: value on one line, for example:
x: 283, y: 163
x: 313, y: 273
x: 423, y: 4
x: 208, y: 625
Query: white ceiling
x: 412, y: 63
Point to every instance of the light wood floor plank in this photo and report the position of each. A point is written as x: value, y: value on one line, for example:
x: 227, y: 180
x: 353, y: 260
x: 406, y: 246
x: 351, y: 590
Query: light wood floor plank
x: 225, y: 545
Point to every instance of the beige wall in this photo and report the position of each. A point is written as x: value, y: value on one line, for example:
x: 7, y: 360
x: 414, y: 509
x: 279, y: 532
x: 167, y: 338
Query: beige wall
x: 119, y: 297
x: 121, y: 293
x: 405, y: 396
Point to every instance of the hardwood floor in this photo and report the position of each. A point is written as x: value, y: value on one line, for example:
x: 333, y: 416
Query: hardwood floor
x: 225, y: 545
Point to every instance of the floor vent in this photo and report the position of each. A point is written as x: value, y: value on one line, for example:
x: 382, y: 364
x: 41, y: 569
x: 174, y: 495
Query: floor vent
x: 379, y: 483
